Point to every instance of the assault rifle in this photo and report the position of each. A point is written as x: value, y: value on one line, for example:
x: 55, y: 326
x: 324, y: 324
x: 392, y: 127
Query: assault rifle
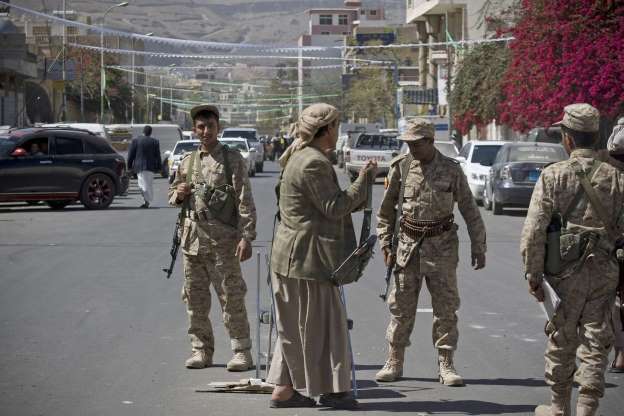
x: 177, y: 239
x: 620, y: 288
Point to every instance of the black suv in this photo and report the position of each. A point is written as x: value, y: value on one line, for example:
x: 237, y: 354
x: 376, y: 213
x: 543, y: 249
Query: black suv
x: 60, y: 166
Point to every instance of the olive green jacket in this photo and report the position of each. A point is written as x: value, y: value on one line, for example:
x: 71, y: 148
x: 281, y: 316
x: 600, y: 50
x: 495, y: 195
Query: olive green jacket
x: 315, y: 234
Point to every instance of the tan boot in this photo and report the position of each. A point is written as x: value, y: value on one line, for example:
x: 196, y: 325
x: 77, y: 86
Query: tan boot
x: 560, y: 406
x: 448, y: 374
x: 199, y: 359
x: 586, y: 405
x: 543, y: 410
x: 241, y: 360
x: 393, y: 369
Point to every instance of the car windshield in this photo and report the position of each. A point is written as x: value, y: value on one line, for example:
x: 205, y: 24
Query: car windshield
x: 377, y: 142
x: 485, y: 155
x: 536, y: 154
x: 447, y: 149
x: 246, y: 134
x: 182, y: 147
x: 235, y: 144
x: 6, y: 144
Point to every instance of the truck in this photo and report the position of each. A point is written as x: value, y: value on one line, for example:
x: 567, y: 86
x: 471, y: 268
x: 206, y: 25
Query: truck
x: 379, y: 147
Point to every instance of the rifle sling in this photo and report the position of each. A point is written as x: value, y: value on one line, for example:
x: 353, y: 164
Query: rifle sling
x: 593, y: 198
x: 404, y: 166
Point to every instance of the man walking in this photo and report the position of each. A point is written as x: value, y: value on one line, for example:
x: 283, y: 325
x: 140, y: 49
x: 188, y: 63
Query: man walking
x: 144, y: 159
x: 213, y: 186
x: 587, y: 196
x: 425, y: 185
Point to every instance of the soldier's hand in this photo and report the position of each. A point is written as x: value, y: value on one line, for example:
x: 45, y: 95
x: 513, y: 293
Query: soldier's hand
x: 478, y: 261
x: 183, y: 190
x: 388, y: 256
x: 243, y: 250
x: 371, y: 166
x: 536, y: 290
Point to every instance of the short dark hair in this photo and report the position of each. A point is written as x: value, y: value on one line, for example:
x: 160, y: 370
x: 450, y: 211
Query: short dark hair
x: 582, y: 139
x: 147, y: 130
x: 206, y: 114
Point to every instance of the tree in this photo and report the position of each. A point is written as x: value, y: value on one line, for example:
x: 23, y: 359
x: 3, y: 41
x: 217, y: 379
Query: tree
x: 564, y: 52
x: 370, y: 96
x: 477, y: 93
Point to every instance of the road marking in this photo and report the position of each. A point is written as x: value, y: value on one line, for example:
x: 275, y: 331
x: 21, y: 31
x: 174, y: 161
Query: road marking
x: 127, y: 402
x: 430, y: 310
x: 528, y: 339
x: 473, y: 326
x: 495, y: 336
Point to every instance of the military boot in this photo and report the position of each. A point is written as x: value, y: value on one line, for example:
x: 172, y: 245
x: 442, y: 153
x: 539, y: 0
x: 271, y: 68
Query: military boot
x: 393, y: 368
x: 448, y: 374
x: 199, y: 359
x: 241, y: 360
x: 560, y: 406
x: 586, y: 405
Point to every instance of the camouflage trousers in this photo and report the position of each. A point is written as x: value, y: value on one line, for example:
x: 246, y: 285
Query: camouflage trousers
x: 221, y: 269
x: 617, y: 326
x: 582, y: 328
x: 403, y: 301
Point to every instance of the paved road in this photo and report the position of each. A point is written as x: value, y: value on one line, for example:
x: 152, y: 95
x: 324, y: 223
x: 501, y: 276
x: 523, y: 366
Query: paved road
x: 90, y: 326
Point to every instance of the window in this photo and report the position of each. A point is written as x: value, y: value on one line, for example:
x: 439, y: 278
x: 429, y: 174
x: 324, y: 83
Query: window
x: 326, y: 19
x: 377, y: 142
x: 485, y: 155
x: 325, y: 33
x: 372, y: 12
x: 68, y: 146
x: 343, y: 19
x: 36, y: 147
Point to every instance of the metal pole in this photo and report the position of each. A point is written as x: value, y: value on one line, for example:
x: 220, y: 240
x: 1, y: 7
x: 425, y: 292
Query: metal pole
x: 102, y: 74
x: 395, y: 82
x: 132, y: 89
x: 171, y: 104
x: 63, y: 113
x: 81, y: 87
x: 258, y: 317
x: 161, y: 97
x: 300, y: 80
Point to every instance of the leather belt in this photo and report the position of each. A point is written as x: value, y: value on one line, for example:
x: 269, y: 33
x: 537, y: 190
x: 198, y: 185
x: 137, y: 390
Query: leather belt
x: 417, y: 229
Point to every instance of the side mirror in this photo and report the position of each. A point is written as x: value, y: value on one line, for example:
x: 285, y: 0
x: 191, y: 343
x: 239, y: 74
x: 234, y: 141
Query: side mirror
x: 253, y: 150
x: 167, y: 153
x: 19, y: 152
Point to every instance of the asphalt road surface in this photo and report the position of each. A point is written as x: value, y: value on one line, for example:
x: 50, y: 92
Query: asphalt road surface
x: 90, y: 326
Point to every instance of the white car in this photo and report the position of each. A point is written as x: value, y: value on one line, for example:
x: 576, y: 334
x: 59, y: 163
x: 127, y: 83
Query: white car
x: 252, y: 137
x: 188, y: 135
x: 475, y: 158
x: 175, y: 157
x: 248, y: 152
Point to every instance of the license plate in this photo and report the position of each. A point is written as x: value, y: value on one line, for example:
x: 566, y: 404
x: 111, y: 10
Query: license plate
x: 534, y: 175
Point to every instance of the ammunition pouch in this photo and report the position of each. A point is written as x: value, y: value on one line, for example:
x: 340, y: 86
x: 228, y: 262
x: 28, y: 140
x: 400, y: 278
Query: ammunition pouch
x: 567, y: 249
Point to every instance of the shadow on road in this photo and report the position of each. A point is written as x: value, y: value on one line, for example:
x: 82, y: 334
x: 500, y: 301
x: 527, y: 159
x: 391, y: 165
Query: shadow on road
x: 463, y: 407
x: 525, y: 382
x: 362, y: 367
x: 78, y: 208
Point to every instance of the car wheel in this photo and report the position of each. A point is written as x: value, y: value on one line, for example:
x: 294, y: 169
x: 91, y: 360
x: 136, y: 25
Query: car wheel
x: 98, y: 191
x: 58, y: 204
x: 497, y: 207
x: 487, y: 204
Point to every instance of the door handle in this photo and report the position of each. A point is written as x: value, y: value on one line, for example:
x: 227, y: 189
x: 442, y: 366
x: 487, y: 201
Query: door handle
x: 45, y: 162
x: 87, y: 161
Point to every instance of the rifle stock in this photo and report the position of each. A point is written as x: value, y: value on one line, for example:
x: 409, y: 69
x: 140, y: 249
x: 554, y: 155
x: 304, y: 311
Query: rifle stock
x: 177, y: 239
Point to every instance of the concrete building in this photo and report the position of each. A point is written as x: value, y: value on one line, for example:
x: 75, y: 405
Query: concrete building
x: 17, y: 66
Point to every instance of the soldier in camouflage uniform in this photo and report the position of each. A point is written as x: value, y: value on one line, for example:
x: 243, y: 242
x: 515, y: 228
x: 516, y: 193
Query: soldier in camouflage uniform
x: 212, y: 249
x: 587, y: 282
x: 427, y: 246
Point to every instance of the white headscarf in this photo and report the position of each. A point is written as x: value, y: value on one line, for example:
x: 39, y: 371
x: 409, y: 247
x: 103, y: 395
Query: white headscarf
x: 310, y: 121
x: 615, y: 145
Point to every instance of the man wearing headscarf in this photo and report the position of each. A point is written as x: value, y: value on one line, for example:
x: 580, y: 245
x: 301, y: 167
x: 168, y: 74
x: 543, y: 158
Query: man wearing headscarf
x: 314, y: 237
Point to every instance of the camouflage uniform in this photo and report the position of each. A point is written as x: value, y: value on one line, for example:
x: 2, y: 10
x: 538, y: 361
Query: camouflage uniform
x: 431, y: 191
x: 209, y: 252
x: 587, y: 289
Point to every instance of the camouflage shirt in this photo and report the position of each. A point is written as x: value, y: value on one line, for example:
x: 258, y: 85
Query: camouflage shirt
x: 204, y: 231
x: 556, y: 190
x: 431, y: 191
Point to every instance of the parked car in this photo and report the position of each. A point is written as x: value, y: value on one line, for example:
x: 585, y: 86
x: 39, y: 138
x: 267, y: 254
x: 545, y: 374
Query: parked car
x: 515, y: 171
x: 475, y: 158
x: 379, y: 147
x: 246, y: 150
x: 95, y: 128
x: 60, y: 166
x: 545, y: 135
x: 188, y: 135
x: 174, y: 157
x: 252, y: 136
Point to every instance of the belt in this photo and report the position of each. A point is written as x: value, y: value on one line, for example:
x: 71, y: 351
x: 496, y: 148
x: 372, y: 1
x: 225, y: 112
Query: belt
x: 198, y: 215
x: 417, y: 229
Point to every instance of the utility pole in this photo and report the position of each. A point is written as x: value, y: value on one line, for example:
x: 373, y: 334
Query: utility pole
x: 395, y: 82
x: 161, y: 98
x: 82, y: 119
x: 64, y: 112
x: 300, y: 80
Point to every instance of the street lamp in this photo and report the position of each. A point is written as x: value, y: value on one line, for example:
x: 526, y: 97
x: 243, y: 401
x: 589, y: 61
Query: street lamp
x: 133, y: 80
x: 102, y: 73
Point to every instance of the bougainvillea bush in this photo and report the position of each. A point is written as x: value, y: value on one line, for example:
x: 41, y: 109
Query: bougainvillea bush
x: 564, y: 52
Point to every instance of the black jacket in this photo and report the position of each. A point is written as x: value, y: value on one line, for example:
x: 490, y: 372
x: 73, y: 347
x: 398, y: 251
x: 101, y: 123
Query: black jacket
x: 144, y: 154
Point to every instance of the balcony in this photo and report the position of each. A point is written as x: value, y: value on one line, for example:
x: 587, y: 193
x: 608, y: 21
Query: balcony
x: 416, y: 9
